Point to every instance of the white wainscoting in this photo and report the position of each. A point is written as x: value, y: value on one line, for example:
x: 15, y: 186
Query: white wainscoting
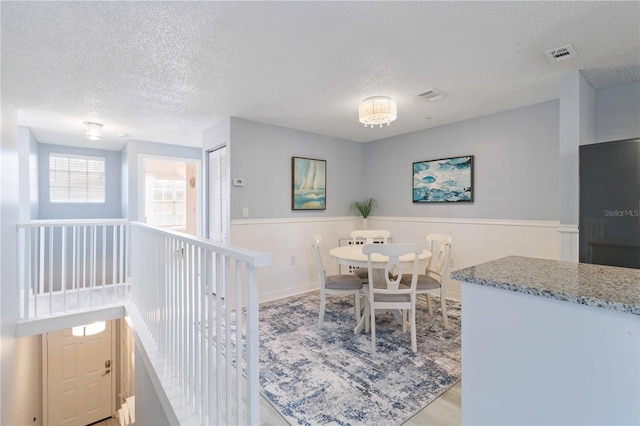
x: 474, y: 241
x: 289, y: 238
x: 568, y: 247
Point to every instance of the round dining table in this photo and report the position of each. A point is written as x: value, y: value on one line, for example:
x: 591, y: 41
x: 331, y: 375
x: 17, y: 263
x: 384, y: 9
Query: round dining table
x: 352, y: 255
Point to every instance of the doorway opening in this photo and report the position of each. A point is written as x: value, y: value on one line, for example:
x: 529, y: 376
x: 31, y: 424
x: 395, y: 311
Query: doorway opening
x: 170, y: 187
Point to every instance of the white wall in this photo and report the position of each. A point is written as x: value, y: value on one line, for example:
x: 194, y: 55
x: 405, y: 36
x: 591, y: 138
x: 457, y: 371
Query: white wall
x: 20, y: 389
x: 530, y: 360
x: 28, y: 181
x: 218, y: 135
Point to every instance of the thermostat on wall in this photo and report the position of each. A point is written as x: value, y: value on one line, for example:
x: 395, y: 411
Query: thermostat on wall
x: 238, y: 181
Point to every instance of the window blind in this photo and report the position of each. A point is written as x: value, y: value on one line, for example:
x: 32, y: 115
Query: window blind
x: 218, y: 195
x: 76, y: 179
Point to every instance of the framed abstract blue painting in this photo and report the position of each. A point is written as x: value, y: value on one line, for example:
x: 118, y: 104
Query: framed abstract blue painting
x: 308, y: 184
x: 443, y: 181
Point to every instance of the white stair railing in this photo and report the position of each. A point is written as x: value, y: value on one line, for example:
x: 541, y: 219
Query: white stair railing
x: 199, y: 321
x: 71, y: 266
x: 193, y: 305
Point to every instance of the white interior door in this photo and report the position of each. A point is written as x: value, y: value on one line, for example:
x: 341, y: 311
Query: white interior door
x: 79, y: 370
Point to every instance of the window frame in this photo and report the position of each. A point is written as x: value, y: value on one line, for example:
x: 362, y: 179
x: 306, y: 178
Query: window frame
x: 85, y: 181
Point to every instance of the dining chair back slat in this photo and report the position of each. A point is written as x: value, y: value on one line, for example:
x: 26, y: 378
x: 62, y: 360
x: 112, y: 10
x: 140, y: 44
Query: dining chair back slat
x: 370, y: 236
x: 388, y: 293
x: 434, y: 279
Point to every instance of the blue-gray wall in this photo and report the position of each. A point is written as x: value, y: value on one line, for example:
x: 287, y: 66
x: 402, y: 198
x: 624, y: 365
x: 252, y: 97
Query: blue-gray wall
x: 108, y: 210
x: 617, y: 113
x: 261, y: 154
x: 149, y: 410
x: 516, y: 170
x: 515, y: 166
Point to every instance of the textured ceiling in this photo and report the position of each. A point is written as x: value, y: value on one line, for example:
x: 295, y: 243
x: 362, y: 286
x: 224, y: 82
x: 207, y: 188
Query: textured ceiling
x: 167, y: 71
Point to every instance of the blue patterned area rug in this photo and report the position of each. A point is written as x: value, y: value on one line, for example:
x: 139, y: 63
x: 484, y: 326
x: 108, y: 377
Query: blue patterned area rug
x: 318, y: 376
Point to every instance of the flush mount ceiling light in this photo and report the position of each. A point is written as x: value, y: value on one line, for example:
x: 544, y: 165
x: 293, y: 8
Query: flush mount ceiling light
x: 89, y: 329
x: 378, y: 110
x: 93, y: 130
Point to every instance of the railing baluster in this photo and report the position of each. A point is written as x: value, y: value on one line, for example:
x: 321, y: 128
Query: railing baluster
x: 26, y: 287
x: 85, y: 258
x: 185, y: 319
x: 94, y: 255
x: 121, y: 230
x: 199, y: 371
x: 253, y: 412
x: 239, y: 345
x: 192, y: 322
x: 174, y: 300
x: 213, y: 368
x: 50, y: 269
x: 74, y: 261
x: 228, y: 345
x: 219, y: 318
x: 114, y: 257
x: 82, y: 265
x: 63, y: 267
x: 42, y: 243
x: 104, y: 261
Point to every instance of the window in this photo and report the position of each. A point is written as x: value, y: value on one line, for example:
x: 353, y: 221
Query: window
x: 76, y: 179
x: 169, y: 202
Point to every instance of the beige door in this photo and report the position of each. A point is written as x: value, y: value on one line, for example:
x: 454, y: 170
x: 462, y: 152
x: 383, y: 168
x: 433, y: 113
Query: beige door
x: 79, y: 385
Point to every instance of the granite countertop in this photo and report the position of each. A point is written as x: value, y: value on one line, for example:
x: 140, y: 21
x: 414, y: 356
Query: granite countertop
x: 606, y: 287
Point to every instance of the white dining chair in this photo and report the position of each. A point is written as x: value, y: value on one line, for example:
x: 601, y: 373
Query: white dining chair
x: 370, y: 236
x: 390, y: 294
x: 347, y: 284
x: 434, y: 280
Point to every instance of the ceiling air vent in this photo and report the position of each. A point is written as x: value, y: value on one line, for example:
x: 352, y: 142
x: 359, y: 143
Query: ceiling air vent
x: 561, y: 53
x: 432, y: 95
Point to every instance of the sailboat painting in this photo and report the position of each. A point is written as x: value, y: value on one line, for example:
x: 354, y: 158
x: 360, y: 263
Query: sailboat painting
x: 308, y: 184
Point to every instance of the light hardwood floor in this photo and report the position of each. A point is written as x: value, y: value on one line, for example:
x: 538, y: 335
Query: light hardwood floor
x: 108, y: 422
x: 444, y: 410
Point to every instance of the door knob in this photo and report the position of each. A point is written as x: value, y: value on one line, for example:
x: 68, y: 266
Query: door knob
x: 107, y: 372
